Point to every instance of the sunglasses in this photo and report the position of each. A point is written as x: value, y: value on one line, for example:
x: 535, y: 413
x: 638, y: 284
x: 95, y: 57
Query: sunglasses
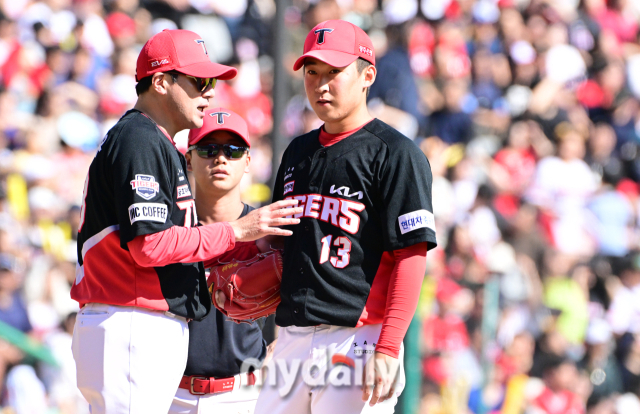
x: 232, y: 152
x: 201, y: 83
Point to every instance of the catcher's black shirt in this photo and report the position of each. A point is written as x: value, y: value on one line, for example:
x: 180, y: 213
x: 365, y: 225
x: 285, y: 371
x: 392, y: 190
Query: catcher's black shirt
x: 218, y: 346
x: 367, y: 194
x: 136, y: 185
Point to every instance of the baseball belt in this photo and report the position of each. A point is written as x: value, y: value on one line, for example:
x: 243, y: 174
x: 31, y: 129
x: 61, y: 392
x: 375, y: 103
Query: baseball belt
x: 199, y: 385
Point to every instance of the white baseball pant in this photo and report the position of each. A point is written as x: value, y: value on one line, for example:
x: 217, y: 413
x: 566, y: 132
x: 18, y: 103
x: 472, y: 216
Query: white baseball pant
x: 129, y: 360
x: 318, y: 370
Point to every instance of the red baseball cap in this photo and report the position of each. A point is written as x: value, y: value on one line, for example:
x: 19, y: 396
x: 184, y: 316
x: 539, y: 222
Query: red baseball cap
x: 180, y: 50
x: 337, y: 43
x: 220, y: 119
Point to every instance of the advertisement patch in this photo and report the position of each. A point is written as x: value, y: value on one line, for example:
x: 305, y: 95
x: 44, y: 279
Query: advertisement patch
x: 288, y: 187
x: 365, y: 50
x: 416, y: 220
x: 183, y: 191
x: 148, y: 212
x: 145, y: 186
x: 155, y: 63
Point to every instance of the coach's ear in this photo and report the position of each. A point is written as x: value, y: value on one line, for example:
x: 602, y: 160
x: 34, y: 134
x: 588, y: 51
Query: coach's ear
x: 159, y: 82
x: 247, y: 162
x: 187, y: 156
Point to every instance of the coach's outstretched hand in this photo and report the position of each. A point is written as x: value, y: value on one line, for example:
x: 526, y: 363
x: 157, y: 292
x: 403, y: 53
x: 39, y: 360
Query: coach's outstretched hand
x: 266, y: 221
x: 380, y: 373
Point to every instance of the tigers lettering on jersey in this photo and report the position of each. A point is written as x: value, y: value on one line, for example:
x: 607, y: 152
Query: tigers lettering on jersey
x: 352, y: 193
x: 336, y: 211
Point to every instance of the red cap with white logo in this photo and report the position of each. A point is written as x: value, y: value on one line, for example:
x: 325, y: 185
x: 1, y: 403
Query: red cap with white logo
x: 337, y: 43
x: 180, y: 50
x: 220, y: 119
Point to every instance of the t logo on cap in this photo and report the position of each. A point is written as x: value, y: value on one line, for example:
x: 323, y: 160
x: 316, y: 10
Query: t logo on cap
x: 320, y: 33
x: 182, y: 51
x: 347, y: 43
x: 220, y: 116
x: 201, y: 42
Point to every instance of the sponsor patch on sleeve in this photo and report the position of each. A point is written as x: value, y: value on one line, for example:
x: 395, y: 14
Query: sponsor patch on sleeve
x: 148, y: 212
x: 146, y: 186
x: 183, y: 191
x: 288, y: 187
x: 416, y: 220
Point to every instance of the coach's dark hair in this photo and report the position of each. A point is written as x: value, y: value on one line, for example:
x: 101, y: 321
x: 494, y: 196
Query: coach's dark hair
x: 144, y: 84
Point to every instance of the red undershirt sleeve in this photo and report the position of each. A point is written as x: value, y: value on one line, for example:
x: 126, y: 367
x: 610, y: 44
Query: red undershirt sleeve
x: 405, y: 284
x: 182, y: 245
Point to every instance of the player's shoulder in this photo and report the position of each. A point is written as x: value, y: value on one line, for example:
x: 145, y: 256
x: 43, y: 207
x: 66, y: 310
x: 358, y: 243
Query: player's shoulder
x: 134, y: 129
x: 303, y: 143
x: 304, y: 139
x: 391, y: 138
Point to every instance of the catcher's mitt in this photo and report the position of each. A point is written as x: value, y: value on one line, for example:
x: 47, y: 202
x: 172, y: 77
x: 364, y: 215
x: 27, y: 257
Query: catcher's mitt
x: 252, y: 287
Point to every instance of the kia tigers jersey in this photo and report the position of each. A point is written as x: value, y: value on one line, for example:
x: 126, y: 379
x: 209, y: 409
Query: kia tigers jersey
x: 365, y: 195
x: 137, y: 185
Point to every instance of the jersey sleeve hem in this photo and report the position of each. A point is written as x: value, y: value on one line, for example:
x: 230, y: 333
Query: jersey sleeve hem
x: 142, y: 230
x: 430, y: 239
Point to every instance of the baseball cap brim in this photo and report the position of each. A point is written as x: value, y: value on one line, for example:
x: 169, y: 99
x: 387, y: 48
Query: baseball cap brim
x: 204, y: 133
x: 330, y: 57
x: 209, y: 70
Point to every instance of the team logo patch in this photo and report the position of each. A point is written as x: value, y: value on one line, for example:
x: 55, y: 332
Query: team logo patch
x: 145, y: 186
x: 220, y: 116
x: 156, y: 63
x: 183, y: 191
x: 201, y: 43
x: 320, y: 33
x: 288, y: 187
x: 148, y: 212
x: 416, y: 220
x: 365, y: 50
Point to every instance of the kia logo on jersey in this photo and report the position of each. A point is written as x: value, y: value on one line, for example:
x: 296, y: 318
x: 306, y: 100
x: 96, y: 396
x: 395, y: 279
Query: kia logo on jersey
x: 320, y: 33
x: 145, y: 186
x: 344, y: 191
x: 220, y: 116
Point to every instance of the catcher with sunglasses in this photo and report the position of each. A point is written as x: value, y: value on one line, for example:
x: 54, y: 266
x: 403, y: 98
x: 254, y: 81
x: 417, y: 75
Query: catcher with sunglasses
x: 218, y: 156
x: 140, y: 276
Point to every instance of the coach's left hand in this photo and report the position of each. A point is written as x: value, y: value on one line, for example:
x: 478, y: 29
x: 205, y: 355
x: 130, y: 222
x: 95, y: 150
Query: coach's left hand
x: 379, y: 378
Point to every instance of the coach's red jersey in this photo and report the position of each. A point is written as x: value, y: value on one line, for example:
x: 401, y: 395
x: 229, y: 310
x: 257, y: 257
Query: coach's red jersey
x: 137, y: 185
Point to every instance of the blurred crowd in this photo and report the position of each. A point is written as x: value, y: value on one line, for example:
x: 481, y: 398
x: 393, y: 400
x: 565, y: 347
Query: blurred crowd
x: 528, y: 111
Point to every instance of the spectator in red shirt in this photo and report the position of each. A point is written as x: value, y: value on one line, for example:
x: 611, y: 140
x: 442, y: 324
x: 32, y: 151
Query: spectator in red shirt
x: 557, y: 397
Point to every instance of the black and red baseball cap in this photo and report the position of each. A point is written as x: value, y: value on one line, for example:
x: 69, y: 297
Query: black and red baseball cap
x: 337, y: 43
x: 220, y: 119
x: 180, y: 50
